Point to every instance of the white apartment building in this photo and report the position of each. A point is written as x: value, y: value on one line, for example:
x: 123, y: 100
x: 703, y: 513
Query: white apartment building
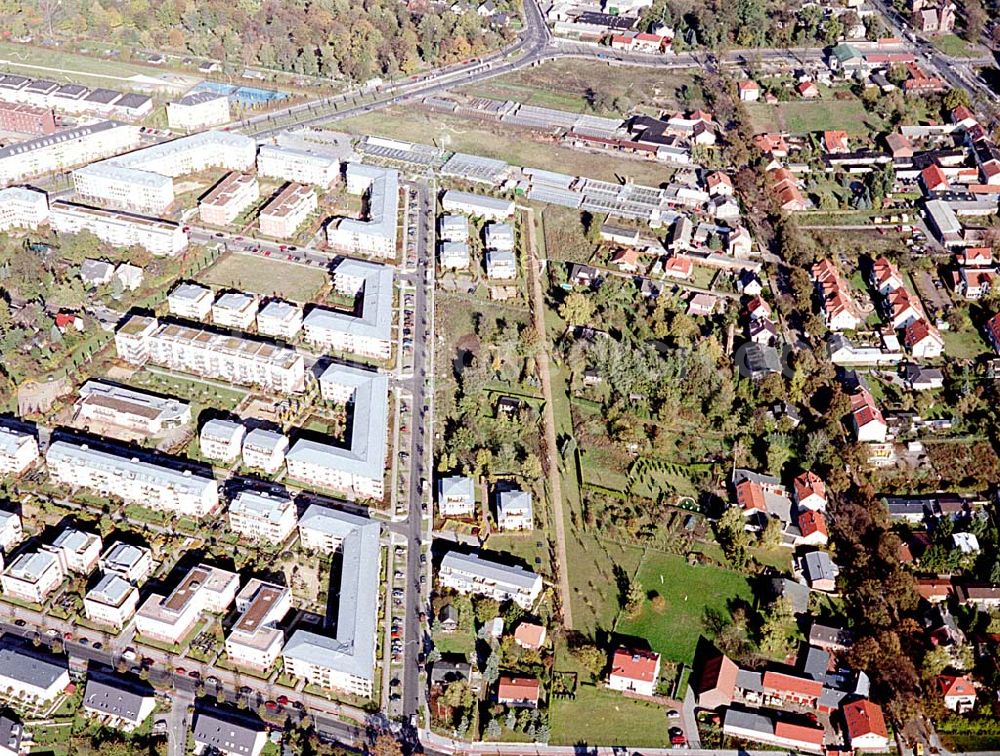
x: 500, y: 236
x: 113, y: 601
x: 23, y: 208
x: 500, y: 265
x: 78, y: 551
x: 357, y: 468
x: 212, y: 355
x: 453, y: 228
x: 477, y: 205
x: 10, y: 530
x: 221, y: 440
x: 454, y: 255
x: 376, y: 234
x: 134, y: 563
x: 228, y: 199
x: 300, y: 166
x: 471, y: 573
x: 33, y: 575
x: 514, y: 510
x: 235, y: 310
x: 367, y: 332
x: 132, y: 339
x: 203, y: 589
x: 282, y: 216
x: 136, y: 482
x: 119, y: 229
x: 190, y: 300
x: 280, y: 319
x: 136, y: 191
x: 32, y: 675
x: 346, y: 661
x: 18, y: 450
x: 262, y: 516
x: 148, y: 414
x: 198, y: 110
x: 65, y: 149
x: 456, y: 496
x: 256, y: 640
x: 265, y: 450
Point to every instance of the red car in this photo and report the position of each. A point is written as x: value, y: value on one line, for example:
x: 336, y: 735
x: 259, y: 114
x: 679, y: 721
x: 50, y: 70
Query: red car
x: 67, y: 636
x: 283, y: 700
x: 271, y: 706
x: 282, y: 247
x: 178, y: 670
x: 267, y: 253
x: 678, y: 740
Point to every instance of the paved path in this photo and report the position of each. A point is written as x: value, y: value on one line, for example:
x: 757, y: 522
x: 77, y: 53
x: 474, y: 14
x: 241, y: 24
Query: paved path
x: 549, y: 421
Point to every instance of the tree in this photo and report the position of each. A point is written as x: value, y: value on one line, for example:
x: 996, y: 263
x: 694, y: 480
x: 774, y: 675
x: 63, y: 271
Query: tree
x: 492, y: 671
x: 577, y: 309
x: 493, y: 729
x: 770, y: 537
x: 591, y: 658
x: 733, y: 537
x: 955, y: 98
x: 386, y: 745
x: 458, y: 695
x: 634, y: 598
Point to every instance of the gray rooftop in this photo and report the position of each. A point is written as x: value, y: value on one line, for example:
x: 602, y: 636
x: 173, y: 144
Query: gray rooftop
x: 31, y: 668
x: 261, y: 505
x: 123, y: 557
x: 476, y: 565
x: 112, y: 589
x: 352, y: 650
x: 115, y: 698
x: 364, y: 454
x: 224, y: 733
x: 50, y: 140
x: 375, y: 321
x: 457, y: 485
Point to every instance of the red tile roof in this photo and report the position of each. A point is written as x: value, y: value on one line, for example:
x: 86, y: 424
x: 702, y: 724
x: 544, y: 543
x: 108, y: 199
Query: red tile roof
x: 919, y: 330
x: 934, y: 178
x: 635, y: 665
x: 953, y: 685
x: 800, y: 733
x: 812, y: 522
x: 793, y: 685
x: 518, y: 688
x: 808, y: 483
x: 835, y: 141
x: 864, y: 409
x: 976, y: 256
x: 864, y: 718
x: 529, y: 634
x: 750, y: 495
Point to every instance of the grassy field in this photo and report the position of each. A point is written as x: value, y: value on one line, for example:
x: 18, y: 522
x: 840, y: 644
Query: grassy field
x: 466, y: 135
x: 598, y: 716
x: 956, y: 47
x: 804, y: 116
x: 571, y: 84
x: 265, y: 277
x: 964, y: 345
x: 64, y: 66
x: 688, y: 591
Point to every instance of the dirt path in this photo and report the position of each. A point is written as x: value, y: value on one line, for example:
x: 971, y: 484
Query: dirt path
x: 548, y: 420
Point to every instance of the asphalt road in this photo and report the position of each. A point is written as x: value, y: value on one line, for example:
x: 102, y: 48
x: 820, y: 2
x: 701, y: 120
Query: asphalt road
x: 423, y: 279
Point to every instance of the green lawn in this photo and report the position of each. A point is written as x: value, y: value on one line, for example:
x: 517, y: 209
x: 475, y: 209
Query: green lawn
x: 569, y: 85
x: 266, y: 277
x: 598, y: 716
x: 804, y: 116
x: 688, y: 591
x: 956, y: 47
x: 964, y: 345
x: 455, y: 643
x: 64, y: 66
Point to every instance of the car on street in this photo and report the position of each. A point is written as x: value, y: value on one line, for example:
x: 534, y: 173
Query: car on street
x: 20, y: 623
x: 177, y: 670
x: 283, y: 700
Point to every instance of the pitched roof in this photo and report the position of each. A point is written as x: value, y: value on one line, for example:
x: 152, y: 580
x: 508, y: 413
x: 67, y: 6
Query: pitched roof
x: 864, y: 410
x: 213, y: 728
x: 750, y: 496
x: 635, y: 665
x: 718, y: 673
x: 518, y: 688
x: 954, y: 685
x: 919, y: 330
x: 807, y: 484
x: 933, y: 177
x: 114, y: 697
x: 529, y: 634
x: 812, y: 522
x: 864, y: 718
x: 792, y: 684
x: 799, y: 732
